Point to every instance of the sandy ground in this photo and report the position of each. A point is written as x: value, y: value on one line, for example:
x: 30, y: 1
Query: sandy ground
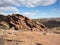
x: 32, y: 37
x: 40, y: 38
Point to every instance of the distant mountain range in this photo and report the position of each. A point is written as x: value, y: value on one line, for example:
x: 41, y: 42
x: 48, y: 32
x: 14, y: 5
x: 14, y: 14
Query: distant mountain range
x: 49, y: 22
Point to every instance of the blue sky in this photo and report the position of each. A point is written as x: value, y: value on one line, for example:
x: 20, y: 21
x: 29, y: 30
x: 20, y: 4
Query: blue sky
x: 31, y: 8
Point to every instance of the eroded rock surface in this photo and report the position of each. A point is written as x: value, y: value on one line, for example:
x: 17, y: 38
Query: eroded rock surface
x: 20, y: 22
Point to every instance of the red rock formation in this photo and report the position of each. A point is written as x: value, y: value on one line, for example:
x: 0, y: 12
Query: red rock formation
x: 20, y: 22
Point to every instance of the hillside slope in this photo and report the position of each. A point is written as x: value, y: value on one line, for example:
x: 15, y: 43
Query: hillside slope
x: 18, y: 22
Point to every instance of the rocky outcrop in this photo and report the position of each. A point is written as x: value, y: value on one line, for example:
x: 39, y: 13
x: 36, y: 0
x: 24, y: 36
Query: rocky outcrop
x: 19, y: 22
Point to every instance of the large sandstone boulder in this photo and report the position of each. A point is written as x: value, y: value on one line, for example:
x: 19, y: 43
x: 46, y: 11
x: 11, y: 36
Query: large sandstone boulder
x: 20, y: 22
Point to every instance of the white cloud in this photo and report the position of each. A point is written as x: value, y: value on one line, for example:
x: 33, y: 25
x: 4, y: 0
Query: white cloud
x: 47, y: 2
x: 27, y: 3
x: 4, y: 3
x: 36, y: 14
x: 54, y: 9
x: 8, y: 10
x: 29, y: 14
x: 34, y: 3
x: 9, y: 6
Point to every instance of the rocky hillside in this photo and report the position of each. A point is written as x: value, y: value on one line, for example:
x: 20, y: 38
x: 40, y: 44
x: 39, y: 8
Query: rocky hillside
x: 10, y: 33
x: 19, y: 22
